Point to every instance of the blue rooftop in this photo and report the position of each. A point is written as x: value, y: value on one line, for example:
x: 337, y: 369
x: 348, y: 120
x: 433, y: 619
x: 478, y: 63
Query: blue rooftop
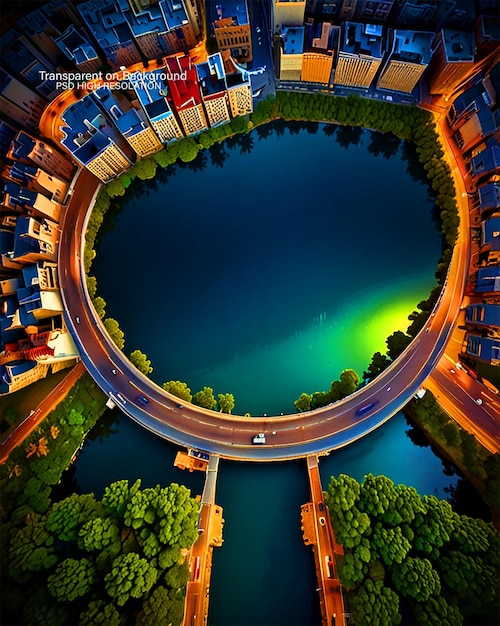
x: 480, y: 93
x: 7, y: 134
x: 489, y: 196
x: 174, y: 13
x: 6, y: 241
x: 491, y: 233
x: 87, y: 131
x: 19, y: 196
x: 488, y: 279
x: 211, y: 75
x: 412, y: 46
x: 128, y: 122
x: 152, y: 94
x: 483, y: 314
x: 488, y: 160
x: 293, y: 38
x: 362, y: 39
x: 484, y: 348
x: 75, y: 47
x: 23, y: 243
x: 237, y: 9
x: 458, y: 46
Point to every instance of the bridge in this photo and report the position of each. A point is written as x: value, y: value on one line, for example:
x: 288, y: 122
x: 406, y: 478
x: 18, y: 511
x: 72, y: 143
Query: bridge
x: 318, y: 532
x: 210, y: 524
x: 288, y: 437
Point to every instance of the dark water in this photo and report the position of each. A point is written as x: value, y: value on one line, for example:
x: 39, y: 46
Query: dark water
x: 263, y: 575
x: 263, y: 269
x: 268, y: 276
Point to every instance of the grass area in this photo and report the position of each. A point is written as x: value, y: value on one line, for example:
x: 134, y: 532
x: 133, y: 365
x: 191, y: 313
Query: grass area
x: 17, y: 405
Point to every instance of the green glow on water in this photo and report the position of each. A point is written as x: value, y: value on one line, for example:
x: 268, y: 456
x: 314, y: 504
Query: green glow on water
x: 315, y: 355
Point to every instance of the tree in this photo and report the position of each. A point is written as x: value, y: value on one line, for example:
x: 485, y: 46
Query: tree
x: 100, y: 306
x: 100, y: 534
x: 376, y: 605
x: 72, y: 579
x: 378, y: 364
x: 416, y: 578
x: 67, y: 516
x: 397, y: 343
x: 178, y: 389
x: 205, y: 398
x: 226, y: 402
x: 377, y: 495
x: 115, y: 332
x: 188, y: 149
x: 390, y: 544
x: 100, y: 613
x: 239, y: 124
x: 31, y: 550
x: 145, y: 168
x: 178, y: 515
x: 436, y: 610
x: 434, y: 528
x: 116, y: 497
x: 154, y: 608
x: 130, y: 576
x: 141, y: 362
x: 303, y: 402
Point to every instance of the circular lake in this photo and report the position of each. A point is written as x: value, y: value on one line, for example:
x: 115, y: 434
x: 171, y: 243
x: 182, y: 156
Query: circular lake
x: 272, y: 262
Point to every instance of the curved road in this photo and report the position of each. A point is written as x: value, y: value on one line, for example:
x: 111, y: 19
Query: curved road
x: 287, y: 437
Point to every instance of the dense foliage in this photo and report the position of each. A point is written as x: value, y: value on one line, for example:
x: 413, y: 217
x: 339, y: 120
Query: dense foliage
x: 480, y: 466
x: 410, y: 554
x: 109, y: 561
x: 339, y: 389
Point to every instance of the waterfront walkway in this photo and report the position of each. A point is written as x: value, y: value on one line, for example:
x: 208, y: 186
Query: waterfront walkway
x: 210, y: 525
x: 318, y: 532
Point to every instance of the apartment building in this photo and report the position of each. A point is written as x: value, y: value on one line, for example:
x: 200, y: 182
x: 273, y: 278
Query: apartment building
x: 231, y: 29
x: 94, y: 141
x: 212, y: 82
x: 360, y: 54
x: 408, y: 57
x: 152, y: 97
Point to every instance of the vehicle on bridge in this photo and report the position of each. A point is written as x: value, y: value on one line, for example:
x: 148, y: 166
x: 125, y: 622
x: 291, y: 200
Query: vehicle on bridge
x: 367, y: 408
x: 260, y: 438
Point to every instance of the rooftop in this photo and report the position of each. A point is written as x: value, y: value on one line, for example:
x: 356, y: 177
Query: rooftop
x: 211, y: 75
x: 412, y: 46
x: 75, y: 46
x: 152, y: 93
x: 237, y: 10
x: 489, y: 195
x: 293, y: 39
x: 185, y: 93
x: 458, y: 46
x: 362, y: 39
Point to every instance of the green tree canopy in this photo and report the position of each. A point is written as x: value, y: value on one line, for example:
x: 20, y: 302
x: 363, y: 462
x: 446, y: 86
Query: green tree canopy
x: 141, y: 362
x: 130, y: 576
x: 72, y: 579
x: 179, y: 389
x: 226, y: 402
x: 205, y: 398
x: 115, y: 332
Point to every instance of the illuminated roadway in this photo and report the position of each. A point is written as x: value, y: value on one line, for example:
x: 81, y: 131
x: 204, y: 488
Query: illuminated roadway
x: 230, y: 436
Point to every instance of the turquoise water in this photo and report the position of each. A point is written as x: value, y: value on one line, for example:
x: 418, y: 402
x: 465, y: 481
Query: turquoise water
x: 268, y: 276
